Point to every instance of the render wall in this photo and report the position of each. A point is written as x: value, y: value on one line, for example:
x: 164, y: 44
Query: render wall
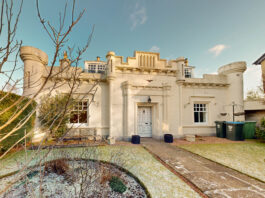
x: 140, y: 88
x: 215, y: 100
x: 127, y: 85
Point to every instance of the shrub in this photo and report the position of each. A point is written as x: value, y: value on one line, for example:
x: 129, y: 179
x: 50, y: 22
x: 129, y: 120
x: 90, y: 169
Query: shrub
x: 117, y: 185
x: 32, y: 174
x: 105, y: 174
x: 58, y: 166
x: 28, y: 126
x: 260, y: 131
x: 52, y: 114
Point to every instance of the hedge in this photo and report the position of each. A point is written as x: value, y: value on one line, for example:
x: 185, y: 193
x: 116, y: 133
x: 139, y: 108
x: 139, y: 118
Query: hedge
x: 6, y: 102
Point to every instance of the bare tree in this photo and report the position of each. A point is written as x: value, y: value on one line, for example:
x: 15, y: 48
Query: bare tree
x: 60, y: 38
x: 8, y: 28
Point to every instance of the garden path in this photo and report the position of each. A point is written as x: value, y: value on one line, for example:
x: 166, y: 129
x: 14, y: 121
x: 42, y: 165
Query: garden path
x: 212, y: 179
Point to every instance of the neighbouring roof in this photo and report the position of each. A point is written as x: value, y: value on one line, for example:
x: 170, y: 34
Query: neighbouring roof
x: 259, y: 60
x: 257, y: 104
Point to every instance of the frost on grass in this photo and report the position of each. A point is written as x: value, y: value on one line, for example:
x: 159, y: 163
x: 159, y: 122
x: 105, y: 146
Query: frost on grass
x: 83, y: 178
x: 158, y: 180
x: 248, y: 158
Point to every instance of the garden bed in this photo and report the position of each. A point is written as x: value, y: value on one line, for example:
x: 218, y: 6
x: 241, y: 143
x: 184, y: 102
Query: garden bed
x: 72, y: 178
x: 157, y: 179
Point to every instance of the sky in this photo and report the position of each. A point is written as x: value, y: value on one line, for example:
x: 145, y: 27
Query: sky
x: 210, y: 33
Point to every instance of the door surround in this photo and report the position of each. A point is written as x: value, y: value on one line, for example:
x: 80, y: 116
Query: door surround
x: 154, y: 115
x: 144, y: 121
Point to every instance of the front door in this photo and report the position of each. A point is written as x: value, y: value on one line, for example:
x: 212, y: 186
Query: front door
x: 145, y: 121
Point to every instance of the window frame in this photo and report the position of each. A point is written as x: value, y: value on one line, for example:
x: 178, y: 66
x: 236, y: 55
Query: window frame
x: 77, y: 109
x: 187, y: 72
x: 206, y: 111
x: 96, y: 68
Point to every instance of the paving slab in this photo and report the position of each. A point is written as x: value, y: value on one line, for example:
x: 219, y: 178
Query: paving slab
x: 213, y: 179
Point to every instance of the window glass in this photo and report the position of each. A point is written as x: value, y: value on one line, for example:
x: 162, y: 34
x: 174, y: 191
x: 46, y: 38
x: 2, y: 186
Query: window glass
x: 96, y: 68
x: 200, y: 113
x: 187, y: 73
x: 79, y: 112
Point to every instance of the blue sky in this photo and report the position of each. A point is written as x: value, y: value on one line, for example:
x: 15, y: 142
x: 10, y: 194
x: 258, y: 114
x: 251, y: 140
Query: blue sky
x: 210, y: 33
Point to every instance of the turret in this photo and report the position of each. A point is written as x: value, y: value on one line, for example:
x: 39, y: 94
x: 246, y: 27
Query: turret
x: 180, y: 66
x: 35, y: 61
x: 235, y: 96
x: 110, y: 63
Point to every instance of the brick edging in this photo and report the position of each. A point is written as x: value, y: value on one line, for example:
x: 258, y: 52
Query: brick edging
x: 183, y: 178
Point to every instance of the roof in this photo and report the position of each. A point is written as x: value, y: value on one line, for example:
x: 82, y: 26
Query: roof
x: 251, y: 105
x: 259, y: 60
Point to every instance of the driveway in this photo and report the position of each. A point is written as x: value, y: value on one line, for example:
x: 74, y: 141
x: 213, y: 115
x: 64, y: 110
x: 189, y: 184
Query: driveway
x: 212, y: 179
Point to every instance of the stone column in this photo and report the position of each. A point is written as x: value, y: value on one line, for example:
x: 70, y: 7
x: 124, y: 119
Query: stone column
x: 126, y: 109
x: 110, y: 77
x: 110, y: 81
x: 165, y: 126
x: 180, y: 128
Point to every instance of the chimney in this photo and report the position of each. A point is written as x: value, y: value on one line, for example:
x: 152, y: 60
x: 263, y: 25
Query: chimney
x: 98, y: 58
x: 186, y: 62
x: 65, y: 61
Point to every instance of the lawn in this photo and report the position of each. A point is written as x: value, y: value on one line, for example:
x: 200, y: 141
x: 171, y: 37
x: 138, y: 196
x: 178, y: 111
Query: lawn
x: 159, y: 181
x: 248, y: 158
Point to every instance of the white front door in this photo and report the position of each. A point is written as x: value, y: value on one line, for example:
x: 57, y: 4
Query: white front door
x: 145, y: 121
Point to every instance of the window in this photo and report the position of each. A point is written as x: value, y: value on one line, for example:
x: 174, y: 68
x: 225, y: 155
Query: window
x: 101, y: 69
x: 79, y: 112
x: 200, y: 113
x: 92, y: 68
x: 96, y: 68
x: 187, y: 72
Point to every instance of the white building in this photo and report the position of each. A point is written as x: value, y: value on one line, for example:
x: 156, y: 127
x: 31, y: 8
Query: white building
x: 145, y: 95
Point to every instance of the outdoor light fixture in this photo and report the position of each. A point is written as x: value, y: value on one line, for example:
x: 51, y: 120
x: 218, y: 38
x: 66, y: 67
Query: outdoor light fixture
x: 149, y: 99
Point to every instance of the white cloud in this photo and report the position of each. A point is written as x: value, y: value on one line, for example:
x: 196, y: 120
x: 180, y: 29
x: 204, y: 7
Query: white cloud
x: 154, y: 49
x: 252, y: 78
x: 138, y: 16
x: 217, y: 49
